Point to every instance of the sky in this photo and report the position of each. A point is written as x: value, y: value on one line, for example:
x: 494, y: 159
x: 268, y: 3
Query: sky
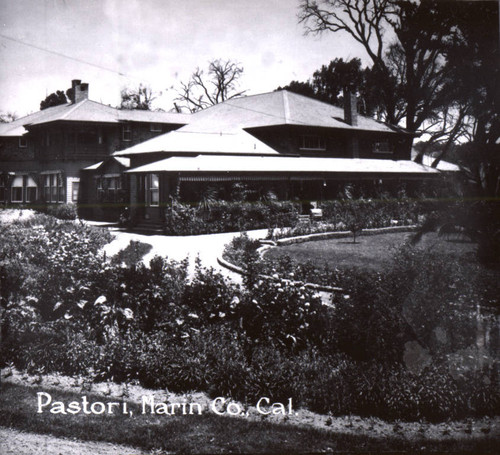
x: 112, y: 44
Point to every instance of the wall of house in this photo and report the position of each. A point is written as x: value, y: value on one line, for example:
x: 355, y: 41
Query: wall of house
x: 132, y: 133
x: 68, y: 147
x: 94, y: 141
x: 12, y: 149
x: 325, y: 142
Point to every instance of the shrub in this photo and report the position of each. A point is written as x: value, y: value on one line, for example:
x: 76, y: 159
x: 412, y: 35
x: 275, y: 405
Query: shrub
x: 61, y: 211
x: 183, y: 219
x: 241, y: 250
x: 281, y: 312
x: 132, y: 253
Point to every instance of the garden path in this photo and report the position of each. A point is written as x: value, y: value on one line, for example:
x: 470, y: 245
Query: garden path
x: 208, y: 247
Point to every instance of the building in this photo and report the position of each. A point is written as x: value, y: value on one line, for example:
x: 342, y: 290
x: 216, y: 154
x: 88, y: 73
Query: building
x: 63, y: 154
x: 297, y: 147
x: 280, y: 143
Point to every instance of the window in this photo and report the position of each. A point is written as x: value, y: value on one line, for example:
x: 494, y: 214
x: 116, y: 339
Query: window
x: 312, y: 143
x: 100, y: 189
x: 2, y: 188
x: 53, y: 188
x: 114, y: 185
x: 382, y: 147
x: 17, y: 189
x: 23, y: 142
x: 153, y: 190
x: 31, y: 190
x: 60, y: 186
x: 75, y: 188
x: 127, y: 133
x: 155, y: 127
x: 109, y: 188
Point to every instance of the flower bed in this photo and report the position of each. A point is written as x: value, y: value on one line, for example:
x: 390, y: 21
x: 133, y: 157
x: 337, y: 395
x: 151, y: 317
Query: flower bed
x: 68, y: 310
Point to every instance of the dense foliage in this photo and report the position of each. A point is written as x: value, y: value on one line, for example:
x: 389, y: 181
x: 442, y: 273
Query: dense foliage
x: 60, y: 211
x: 355, y: 215
x: 221, y: 216
x: 282, y: 216
x: 66, y: 309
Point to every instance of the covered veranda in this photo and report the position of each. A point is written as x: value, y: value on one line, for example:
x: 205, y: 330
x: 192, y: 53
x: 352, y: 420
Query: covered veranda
x: 287, y: 177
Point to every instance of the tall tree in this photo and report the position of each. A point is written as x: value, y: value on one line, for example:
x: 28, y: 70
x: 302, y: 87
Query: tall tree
x: 54, y: 99
x: 140, y: 98
x: 330, y: 81
x: 219, y: 84
x: 473, y: 60
x: 404, y: 40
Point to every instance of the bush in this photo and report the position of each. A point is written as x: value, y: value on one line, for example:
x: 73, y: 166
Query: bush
x: 61, y: 211
x: 132, y: 254
x: 241, y: 250
x: 183, y: 219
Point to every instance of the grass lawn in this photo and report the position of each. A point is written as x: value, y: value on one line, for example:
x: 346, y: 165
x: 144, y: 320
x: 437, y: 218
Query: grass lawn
x: 206, y: 433
x: 372, y: 252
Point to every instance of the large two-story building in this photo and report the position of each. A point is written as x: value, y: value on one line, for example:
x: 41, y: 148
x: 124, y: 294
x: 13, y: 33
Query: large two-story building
x: 294, y: 146
x: 105, y: 158
x: 43, y: 155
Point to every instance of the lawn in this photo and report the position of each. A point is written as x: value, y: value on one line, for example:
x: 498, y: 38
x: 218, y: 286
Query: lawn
x: 372, y: 252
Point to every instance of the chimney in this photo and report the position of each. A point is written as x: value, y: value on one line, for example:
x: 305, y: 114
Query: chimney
x: 350, y: 108
x: 81, y: 92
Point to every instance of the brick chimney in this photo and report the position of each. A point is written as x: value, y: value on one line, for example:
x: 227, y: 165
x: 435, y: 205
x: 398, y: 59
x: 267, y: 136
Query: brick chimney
x: 350, y: 108
x: 78, y: 91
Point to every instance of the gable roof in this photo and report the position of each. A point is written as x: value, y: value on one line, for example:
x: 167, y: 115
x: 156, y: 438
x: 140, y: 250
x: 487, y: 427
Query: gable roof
x: 124, y: 162
x: 183, y: 141
x: 278, y: 108
x: 89, y: 111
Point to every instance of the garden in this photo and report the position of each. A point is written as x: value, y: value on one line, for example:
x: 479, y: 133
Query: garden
x: 414, y: 341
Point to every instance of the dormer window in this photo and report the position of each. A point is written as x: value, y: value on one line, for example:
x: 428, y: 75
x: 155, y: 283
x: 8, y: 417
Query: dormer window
x: 382, y: 147
x: 23, y: 142
x: 310, y: 142
x: 155, y: 127
x: 127, y: 133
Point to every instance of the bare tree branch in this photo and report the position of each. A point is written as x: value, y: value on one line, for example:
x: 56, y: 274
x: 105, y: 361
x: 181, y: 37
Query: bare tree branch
x: 221, y: 84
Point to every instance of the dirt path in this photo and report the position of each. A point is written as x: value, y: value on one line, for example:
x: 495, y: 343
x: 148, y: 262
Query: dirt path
x: 13, y: 442
x: 208, y: 247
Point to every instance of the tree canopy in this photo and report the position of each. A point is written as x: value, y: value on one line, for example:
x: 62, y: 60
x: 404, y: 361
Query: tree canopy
x: 54, y: 99
x: 435, y: 63
x: 8, y: 117
x: 140, y: 98
x: 219, y: 84
x: 330, y: 81
x: 405, y: 42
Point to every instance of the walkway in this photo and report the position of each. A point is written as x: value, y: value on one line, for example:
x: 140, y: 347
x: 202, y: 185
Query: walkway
x: 208, y: 247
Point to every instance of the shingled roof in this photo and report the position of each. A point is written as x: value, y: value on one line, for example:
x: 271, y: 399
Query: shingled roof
x: 89, y: 111
x: 183, y: 141
x: 278, y: 108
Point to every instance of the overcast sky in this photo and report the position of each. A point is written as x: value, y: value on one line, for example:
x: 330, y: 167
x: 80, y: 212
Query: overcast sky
x: 156, y: 42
